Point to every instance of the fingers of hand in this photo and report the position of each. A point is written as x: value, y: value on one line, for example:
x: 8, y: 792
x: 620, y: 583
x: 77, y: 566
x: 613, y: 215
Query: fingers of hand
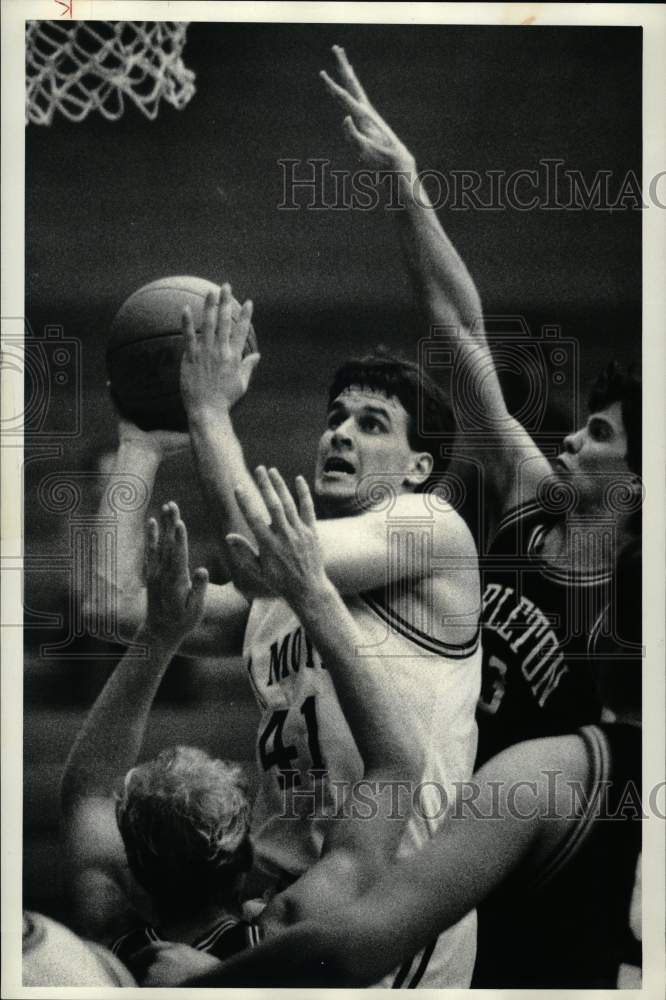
x: 150, y: 550
x: 209, y: 319
x: 244, y: 562
x: 189, y: 333
x: 241, y: 549
x: 271, y: 499
x: 240, y: 330
x: 348, y: 75
x: 197, y: 594
x: 345, y: 98
x: 180, y: 557
x: 249, y: 363
x: 225, y: 315
x: 305, y: 503
x: 169, y: 515
x: 356, y: 137
x: 285, y: 497
x: 200, y: 579
x: 252, y: 514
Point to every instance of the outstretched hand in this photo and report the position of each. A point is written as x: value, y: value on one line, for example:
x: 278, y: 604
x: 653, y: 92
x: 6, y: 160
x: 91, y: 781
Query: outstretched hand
x: 375, y: 142
x: 289, y: 560
x: 175, y: 602
x: 213, y: 373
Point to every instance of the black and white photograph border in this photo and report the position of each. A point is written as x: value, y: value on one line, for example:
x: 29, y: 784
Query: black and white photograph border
x: 538, y: 130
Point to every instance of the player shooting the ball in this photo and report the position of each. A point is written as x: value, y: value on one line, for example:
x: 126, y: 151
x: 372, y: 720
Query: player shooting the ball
x: 417, y: 616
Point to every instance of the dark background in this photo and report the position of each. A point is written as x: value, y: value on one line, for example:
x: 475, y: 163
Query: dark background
x: 111, y: 206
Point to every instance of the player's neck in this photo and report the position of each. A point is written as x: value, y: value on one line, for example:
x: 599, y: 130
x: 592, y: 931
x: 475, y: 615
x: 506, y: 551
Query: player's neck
x: 188, y: 928
x: 328, y: 510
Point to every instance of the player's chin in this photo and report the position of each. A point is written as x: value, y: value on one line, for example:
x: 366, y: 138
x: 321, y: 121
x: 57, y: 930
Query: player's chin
x: 336, y: 496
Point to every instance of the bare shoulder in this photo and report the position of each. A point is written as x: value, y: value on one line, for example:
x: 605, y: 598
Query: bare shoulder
x: 535, y: 760
x: 543, y: 781
x: 447, y: 590
x: 451, y: 532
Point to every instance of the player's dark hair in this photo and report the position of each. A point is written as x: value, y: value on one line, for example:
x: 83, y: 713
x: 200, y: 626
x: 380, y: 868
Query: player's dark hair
x: 616, y: 385
x: 184, y: 819
x: 427, y: 406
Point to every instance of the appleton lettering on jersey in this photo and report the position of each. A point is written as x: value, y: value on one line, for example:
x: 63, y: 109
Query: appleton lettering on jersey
x: 541, y: 624
x: 289, y: 654
x: 527, y: 630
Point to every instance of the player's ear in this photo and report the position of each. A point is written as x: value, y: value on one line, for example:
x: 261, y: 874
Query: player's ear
x: 422, y: 465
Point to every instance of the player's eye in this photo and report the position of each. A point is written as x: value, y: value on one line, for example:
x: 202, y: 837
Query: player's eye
x: 371, y: 425
x: 600, y: 431
x: 334, y: 420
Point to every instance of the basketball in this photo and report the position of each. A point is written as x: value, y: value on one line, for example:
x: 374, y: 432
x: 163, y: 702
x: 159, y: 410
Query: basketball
x: 146, y: 345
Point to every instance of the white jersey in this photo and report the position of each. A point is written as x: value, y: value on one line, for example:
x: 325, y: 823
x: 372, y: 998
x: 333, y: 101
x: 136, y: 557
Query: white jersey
x: 54, y: 956
x: 307, y: 758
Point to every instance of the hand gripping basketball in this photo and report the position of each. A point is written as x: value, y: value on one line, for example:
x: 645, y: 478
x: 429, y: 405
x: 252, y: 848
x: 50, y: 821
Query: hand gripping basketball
x: 146, y: 346
x: 216, y: 370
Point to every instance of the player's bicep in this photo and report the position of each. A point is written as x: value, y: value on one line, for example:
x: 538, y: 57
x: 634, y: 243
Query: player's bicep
x: 364, y: 552
x: 355, y: 551
x: 94, y: 863
x: 101, y: 908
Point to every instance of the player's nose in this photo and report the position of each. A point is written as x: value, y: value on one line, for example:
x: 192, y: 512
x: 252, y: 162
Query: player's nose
x: 342, y: 435
x: 573, y: 441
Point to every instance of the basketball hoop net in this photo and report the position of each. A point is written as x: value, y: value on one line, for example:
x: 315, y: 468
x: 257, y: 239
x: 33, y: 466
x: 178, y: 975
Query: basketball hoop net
x: 81, y: 66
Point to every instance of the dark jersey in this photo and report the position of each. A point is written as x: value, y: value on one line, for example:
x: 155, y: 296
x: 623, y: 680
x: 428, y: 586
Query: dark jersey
x: 566, y: 925
x: 225, y: 939
x: 540, y: 628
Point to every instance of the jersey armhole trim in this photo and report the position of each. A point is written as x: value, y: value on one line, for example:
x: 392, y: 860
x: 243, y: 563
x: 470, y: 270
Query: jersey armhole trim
x: 600, y: 769
x: 419, y: 638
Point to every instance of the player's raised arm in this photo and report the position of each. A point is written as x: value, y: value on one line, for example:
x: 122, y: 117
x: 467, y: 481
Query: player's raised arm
x: 111, y: 737
x: 119, y: 592
x: 290, y: 562
x: 445, y: 289
x: 356, y: 549
x: 214, y: 376
x: 137, y: 459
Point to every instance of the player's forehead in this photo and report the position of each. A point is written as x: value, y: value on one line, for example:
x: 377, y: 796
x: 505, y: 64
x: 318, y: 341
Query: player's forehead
x: 356, y: 398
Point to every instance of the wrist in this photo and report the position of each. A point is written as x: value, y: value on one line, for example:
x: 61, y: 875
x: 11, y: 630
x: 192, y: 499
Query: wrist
x: 317, y: 600
x: 162, y: 641
x: 403, y: 165
x: 201, y: 415
x: 406, y: 165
